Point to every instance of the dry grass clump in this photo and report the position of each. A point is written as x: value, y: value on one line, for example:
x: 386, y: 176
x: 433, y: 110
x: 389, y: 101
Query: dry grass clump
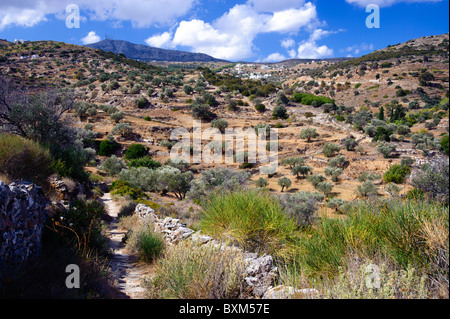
x: 189, y: 271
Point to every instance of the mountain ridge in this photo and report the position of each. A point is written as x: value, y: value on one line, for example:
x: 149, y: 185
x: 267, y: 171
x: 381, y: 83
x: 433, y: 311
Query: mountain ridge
x: 146, y: 53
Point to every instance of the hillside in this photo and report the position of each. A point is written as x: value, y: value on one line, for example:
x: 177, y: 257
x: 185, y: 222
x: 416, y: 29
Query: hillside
x: 350, y: 132
x: 149, y: 54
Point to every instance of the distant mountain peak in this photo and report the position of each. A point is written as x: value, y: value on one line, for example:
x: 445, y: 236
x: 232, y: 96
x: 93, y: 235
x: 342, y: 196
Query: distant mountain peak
x: 148, y: 54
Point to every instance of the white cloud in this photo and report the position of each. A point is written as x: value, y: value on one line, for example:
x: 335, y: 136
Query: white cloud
x: 92, y: 37
x: 141, y: 13
x: 275, y: 5
x: 385, y: 3
x: 287, y: 43
x: 163, y: 40
x: 292, y: 20
x: 275, y: 57
x: 231, y: 36
x: 310, y: 50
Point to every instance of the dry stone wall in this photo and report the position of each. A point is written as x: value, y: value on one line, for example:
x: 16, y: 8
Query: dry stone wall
x: 22, y: 216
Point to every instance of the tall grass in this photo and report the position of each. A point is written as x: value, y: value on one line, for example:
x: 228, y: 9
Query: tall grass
x: 148, y: 244
x: 252, y: 219
x: 190, y: 271
x: 412, y: 234
x: 24, y: 159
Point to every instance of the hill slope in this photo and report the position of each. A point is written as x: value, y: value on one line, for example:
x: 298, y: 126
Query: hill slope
x: 148, y: 54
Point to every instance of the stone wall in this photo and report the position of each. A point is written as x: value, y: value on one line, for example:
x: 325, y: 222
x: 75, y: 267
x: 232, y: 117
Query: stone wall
x: 22, y: 215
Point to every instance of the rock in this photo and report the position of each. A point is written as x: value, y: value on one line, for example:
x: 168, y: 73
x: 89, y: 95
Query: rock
x: 145, y: 212
x: 203, y: 239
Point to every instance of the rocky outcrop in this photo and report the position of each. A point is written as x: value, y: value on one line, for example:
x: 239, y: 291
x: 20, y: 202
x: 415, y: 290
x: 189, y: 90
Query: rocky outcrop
x: 22, y: 216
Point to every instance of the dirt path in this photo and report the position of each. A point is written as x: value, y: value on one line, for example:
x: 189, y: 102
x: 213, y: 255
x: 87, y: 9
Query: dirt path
x: 125, y: 267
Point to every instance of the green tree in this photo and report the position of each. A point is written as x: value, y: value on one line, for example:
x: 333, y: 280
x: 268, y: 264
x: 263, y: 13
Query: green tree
x: 308, y: 134
x: 284, y: 182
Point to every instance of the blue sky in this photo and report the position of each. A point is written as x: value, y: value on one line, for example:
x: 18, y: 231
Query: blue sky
x: 249, y: 30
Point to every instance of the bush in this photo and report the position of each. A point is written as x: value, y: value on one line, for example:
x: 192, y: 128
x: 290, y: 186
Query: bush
x: 280, y: 112
x: 202, y: 111
x: 251, y: 218
x: 145, y: 161
x: 108, y: 148
x: 213, y: 180
x: 433, y: 180
x: 136, y: 151
x: 445, y: 144
x: 309, y: 99
x: 367, y: 189
x: 147, y: 243
x: 331, y: 149
x: 260, y: 108
x: 301, y: 206
x: 262, y: 182
x: 23, y: 159
x: 122, y: 129
x: 350, y: 144
x: 396, y: 174
x: 113, y: 165
x: 386, y: 149
x: 143, y: 103
x: 334, y: 172
x: 325, y: 187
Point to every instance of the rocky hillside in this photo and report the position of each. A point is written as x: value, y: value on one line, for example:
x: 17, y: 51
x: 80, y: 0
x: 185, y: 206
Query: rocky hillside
x: 149, y: 54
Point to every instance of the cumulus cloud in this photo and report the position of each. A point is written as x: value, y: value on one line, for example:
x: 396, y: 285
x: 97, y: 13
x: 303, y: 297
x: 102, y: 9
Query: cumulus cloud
x: 385, y: 3
x: 141, y: 13
x: 92, y: 37
x: 231, y: 36
x: 275, y: 57
x: 275, y: 5
x: 287, y: 43
x: 310, y: 50
x: 161, y: 41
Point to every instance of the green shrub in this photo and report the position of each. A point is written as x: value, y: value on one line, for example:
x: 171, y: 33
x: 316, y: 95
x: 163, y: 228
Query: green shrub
x: 396, y: 174
x: 445, y: 144
x: 280, y: 112
x: 251, y: 218
x: 301, y: 206
x: 113, y: 165
x: 24, y: 159
x: 262, y: 182
x: 136, y: 151
x: 143, y: 103
x: 145, y: 161
x: 331, y: 149
x: 108, y: 148
x: 148, y: 244
x: 309, y: 99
